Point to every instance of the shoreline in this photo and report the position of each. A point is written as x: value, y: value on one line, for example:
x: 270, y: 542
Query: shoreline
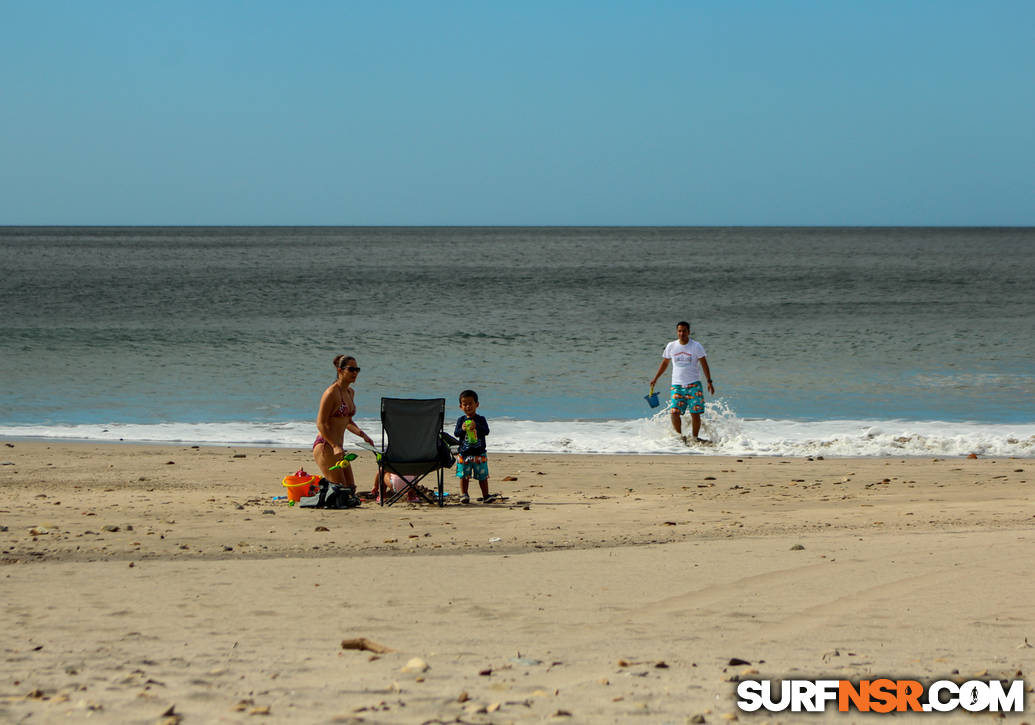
x: 881, y: 440
x: 140, y: 578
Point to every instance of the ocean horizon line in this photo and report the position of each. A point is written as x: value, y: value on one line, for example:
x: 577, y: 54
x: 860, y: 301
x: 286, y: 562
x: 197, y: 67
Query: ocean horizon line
x: 521, y: 226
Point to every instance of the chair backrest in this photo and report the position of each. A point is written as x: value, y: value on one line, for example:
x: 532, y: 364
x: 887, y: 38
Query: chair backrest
x: 412, y: 428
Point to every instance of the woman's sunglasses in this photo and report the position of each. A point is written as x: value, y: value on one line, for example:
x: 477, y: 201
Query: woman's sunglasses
x: 351, y: 369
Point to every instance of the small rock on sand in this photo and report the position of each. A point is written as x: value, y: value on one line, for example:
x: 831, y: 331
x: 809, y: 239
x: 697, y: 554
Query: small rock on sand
x: 416, y: 665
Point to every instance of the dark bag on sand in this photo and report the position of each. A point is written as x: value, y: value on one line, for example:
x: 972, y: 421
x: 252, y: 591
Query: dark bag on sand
x: 330, y: 496
x: 446, y: 443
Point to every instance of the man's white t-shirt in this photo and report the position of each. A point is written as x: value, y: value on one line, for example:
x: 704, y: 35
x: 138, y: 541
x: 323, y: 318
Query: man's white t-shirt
x: 686, y: 367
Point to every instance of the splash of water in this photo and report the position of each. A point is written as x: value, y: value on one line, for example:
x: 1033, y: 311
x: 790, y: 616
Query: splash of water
x: 730, y: 434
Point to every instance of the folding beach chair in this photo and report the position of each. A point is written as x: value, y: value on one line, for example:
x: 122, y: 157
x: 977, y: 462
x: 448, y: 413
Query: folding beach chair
x: 412, y: 428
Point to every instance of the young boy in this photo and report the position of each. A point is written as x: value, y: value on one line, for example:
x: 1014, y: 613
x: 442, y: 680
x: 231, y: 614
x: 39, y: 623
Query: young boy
x: 471, y: 461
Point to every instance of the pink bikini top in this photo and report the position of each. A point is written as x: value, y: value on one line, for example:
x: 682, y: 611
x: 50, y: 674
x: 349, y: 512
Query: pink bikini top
x: 343, y: 410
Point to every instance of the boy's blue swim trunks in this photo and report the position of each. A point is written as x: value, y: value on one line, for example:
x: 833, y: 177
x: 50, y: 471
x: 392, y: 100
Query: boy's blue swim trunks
x: 692, y: 396
x: 476, y: 467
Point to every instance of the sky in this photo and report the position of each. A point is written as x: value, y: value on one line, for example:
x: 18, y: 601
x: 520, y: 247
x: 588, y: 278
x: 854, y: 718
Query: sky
x: 725, y: 113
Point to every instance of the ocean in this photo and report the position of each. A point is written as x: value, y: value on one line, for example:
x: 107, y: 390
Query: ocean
x: 830, y: 341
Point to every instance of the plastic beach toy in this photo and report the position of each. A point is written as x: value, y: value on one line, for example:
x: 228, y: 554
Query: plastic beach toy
x: 472, y: 433
x: 652, y: 398
x: 344, y: 462
x: 298, y: 485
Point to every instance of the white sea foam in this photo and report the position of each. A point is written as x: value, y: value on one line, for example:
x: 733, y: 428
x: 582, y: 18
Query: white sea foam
x: 731, y: 436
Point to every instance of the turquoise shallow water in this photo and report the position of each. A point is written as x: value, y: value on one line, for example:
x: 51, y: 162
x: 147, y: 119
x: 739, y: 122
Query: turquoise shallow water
x: 152, y: 325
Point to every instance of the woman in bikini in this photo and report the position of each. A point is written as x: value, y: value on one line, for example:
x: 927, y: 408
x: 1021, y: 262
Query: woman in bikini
x: 333, y: 419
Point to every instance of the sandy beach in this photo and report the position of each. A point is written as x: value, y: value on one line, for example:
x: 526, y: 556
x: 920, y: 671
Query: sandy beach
x: 163, y: 584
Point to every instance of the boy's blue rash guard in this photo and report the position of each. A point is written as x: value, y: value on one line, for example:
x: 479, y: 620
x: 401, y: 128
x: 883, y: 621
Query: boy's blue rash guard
x: 481, y: 427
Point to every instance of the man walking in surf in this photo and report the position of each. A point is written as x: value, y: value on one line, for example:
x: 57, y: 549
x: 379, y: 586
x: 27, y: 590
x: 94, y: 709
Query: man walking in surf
x: 688, y: 361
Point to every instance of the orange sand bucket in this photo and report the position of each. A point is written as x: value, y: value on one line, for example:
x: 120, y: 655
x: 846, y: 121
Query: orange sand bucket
x: 298, y: 485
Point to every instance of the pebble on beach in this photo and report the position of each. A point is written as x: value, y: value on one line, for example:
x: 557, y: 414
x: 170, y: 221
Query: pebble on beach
x: 416, y: 665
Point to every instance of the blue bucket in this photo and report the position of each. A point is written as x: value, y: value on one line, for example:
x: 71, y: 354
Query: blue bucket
x: 652, y: 398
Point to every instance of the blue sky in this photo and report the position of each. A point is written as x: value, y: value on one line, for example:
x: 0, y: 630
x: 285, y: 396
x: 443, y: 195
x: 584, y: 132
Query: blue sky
x: 482, y: 113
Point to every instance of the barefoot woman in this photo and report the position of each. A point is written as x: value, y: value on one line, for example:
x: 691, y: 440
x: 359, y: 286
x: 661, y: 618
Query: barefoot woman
x: 334, y: 418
